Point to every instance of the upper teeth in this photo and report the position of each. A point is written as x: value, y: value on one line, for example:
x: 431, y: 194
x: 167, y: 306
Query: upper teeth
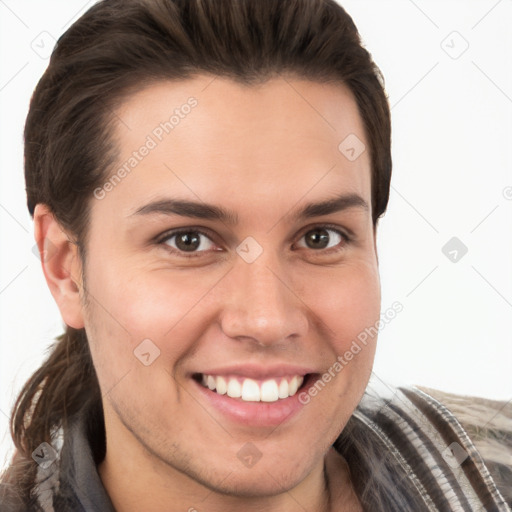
x: 251, y: 390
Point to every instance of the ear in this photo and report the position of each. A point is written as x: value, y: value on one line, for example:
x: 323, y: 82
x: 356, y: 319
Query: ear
x: 61, y: 265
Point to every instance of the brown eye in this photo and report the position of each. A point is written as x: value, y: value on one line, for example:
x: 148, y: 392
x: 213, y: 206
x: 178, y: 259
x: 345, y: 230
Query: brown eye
x: 187, y: 241
x: 317, y: 238
x: 324, y: 238
x: 190, y: 241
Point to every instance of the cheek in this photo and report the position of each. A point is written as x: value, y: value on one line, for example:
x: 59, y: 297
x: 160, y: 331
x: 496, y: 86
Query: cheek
x: 348, y: 306
x: 347, y: 301
x: 134, y: 304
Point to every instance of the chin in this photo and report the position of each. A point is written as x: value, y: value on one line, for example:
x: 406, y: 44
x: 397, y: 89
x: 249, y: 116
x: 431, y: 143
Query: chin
x: 266, y: 482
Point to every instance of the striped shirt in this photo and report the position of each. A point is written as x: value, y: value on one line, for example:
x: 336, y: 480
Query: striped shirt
x: 419, y: 447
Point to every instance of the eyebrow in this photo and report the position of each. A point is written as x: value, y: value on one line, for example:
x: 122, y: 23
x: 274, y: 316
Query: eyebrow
x: 199, y: 210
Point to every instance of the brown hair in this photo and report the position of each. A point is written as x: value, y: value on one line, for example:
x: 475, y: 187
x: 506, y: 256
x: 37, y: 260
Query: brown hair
x: 118, y: 47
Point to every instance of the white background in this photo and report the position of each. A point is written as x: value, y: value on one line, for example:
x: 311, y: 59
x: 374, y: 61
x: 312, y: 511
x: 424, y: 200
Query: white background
x: 452, y: 177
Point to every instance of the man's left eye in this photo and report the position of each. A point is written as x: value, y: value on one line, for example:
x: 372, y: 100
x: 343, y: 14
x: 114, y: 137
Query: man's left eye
x: 324, y: 238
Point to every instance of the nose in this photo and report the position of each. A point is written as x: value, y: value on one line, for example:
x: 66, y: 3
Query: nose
x: 262, y: 304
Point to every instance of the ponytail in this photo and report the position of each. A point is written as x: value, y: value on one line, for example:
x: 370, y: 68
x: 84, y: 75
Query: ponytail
x: 64, y: 384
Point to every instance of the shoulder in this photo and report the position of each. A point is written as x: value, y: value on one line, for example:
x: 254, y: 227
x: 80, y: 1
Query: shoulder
x: 488, y: 423
x: 432, y: 449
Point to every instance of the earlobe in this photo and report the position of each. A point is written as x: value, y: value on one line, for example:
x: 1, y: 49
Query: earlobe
x: 61, y: 265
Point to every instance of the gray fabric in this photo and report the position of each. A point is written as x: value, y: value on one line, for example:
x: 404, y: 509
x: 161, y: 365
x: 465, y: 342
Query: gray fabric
x: 81, y: 488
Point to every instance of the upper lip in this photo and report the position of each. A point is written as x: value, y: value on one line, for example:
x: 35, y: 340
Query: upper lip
x: 254, y: 371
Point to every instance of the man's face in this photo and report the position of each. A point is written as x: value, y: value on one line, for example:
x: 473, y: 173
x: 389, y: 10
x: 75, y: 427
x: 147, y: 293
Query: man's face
x: 265, y: 294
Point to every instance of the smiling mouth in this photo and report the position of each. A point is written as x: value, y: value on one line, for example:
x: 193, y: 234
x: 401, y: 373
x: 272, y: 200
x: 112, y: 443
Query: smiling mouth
x: 252, y: 390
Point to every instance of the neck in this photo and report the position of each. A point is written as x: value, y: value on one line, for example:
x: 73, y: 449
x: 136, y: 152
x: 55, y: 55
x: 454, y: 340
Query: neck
x: 341, y: 493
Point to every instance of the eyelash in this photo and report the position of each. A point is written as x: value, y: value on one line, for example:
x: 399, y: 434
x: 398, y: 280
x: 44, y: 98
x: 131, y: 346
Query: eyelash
x: 174, y: 233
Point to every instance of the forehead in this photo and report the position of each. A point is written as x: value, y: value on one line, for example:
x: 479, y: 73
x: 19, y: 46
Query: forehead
x: 211, y: 137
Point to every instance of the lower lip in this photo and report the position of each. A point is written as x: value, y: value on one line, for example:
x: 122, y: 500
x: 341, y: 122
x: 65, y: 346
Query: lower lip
x: 260, y: 414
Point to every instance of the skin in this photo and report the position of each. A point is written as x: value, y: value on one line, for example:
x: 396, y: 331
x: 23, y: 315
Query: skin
x: 264, y: 152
